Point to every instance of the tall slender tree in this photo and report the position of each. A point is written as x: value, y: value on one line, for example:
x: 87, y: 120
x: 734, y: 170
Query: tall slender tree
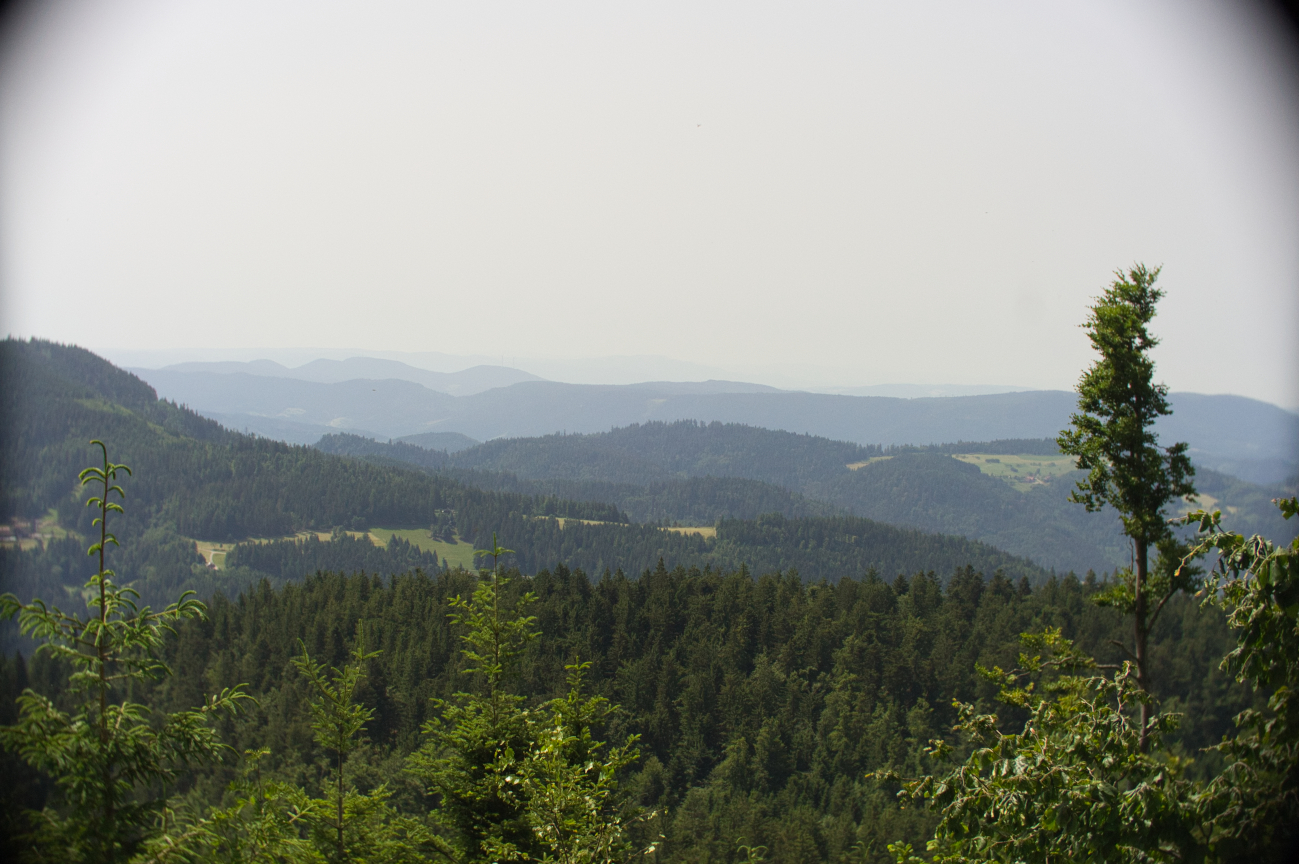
x: 1112, y: 438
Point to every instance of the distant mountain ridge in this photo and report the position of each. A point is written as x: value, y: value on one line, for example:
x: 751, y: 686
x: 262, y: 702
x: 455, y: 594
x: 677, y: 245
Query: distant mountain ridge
x: 475, y: 379
x: 1253, y: 440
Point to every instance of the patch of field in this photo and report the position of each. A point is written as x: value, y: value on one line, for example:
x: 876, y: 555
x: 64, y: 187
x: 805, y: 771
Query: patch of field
x: 702, y: 530
x: 27, y: 535
x: 853, y: 466
x: 455, y: 554
x: 214, y: 553
x: 1023, y: 472
x: 564, y: 520
x: 1202, y: 502
x: 49, y: 526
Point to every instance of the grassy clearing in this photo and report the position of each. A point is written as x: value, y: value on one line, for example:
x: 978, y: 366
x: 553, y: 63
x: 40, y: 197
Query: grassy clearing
x: 1024, y: 471
x: 215, y: 553
x: 50, y: 527
x: 701, y: 530
x: 35, y: 534
x: 564, y: 520
x: 853, y: 466
x: 456, y: 554
x: 1203, y: 502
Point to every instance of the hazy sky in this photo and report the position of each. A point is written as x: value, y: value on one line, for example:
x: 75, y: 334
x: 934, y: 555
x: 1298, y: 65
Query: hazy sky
x: 839, y: 193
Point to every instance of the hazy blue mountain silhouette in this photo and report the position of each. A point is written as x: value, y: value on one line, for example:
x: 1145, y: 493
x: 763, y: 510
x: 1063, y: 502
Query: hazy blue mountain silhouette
x: 1245, y: 437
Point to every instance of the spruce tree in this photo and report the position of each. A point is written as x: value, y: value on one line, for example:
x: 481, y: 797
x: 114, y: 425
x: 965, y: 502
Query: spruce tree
x: 111, y: 759
x: 514, y: 783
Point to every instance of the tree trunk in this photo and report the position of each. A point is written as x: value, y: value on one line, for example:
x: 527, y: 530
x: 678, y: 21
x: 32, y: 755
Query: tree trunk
x: 1140, y: 613
x: 342, y: 853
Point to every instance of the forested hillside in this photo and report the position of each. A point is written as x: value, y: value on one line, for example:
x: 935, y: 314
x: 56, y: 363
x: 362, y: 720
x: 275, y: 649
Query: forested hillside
x: 649, y: 452
x: 194, y: 480
x: 826, y: 548
x: 934, y: 492
x: 640, y: 468
x: 771, y: 666
x: 762, y: 702
x: 291, y: 559
x: 658, y: 496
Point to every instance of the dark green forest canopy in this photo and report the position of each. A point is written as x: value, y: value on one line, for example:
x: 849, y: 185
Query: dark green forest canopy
x: 670, y: 499
x: 762, y: 702
x: 769, y: 669
x: 287, y: 559
x: 643, y: 453
x: 347, y: 444
x: 650, y: 452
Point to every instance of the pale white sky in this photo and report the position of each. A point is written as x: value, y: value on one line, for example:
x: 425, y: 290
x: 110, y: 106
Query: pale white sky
x: 870, y: 193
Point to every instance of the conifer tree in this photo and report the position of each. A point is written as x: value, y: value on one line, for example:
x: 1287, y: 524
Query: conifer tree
x: 111, y: 759
x: 513, y: 783
x: 274, y: 821
x: 572, y: 779
x: 350, y: 825
x: 473, y: 758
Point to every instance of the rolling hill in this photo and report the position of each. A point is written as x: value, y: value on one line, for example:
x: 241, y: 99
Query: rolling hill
x: 1244, y: 437
x: 639, y: 468
x: 195, y: 480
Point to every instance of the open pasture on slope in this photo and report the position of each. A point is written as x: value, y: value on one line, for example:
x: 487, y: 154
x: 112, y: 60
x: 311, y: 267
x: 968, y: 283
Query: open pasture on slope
x: 457, y: 554
x: 701, y: 530
x: 1026, y: 470
x: 854, y: 466
x: 1021, y: 471
x: 214, y: 553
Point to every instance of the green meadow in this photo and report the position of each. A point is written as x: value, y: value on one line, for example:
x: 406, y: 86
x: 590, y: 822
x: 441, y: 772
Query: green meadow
x: 455, y: 554
x: 1022, y: 472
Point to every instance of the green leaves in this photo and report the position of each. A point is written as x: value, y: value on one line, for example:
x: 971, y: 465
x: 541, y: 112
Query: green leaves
x: 263, y: 825
x: 1083, y: 779
x: 348, y: 825
x: 1071, y: 784
x: 272, y: 821
x: 1075, y: 782
x: 337, y: 718
x: 1251, y: 808
x: 104, y: 476
x: 493, y: 642
x: 572, y: 780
